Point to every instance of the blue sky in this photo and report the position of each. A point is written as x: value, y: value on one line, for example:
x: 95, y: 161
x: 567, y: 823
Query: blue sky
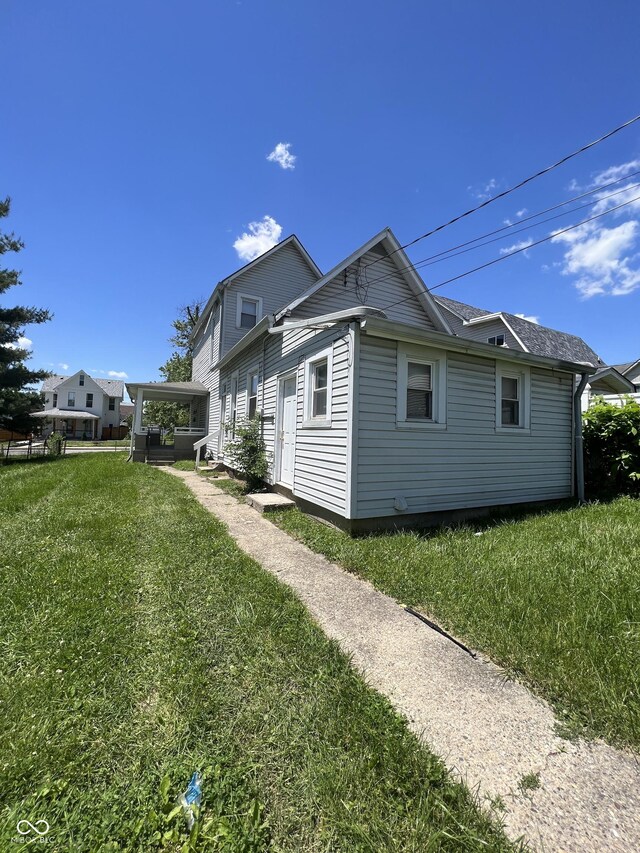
x: 136, y: 137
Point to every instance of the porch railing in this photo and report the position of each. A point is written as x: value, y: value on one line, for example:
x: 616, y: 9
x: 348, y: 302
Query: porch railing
x: 198, y: 445
x: 188, y: 431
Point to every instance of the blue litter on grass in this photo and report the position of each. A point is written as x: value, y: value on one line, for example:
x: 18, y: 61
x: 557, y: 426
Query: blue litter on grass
x: 192, y: 797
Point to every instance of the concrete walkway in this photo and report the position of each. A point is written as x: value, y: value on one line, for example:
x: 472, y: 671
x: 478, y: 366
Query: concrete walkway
x: 488, y: 731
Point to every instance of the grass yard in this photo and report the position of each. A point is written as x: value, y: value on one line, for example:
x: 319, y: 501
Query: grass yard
x: 553, y: 597
x: 139, y: 644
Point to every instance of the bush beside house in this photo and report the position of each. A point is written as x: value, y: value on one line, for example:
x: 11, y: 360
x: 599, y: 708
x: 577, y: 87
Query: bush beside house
x: 612, y: 449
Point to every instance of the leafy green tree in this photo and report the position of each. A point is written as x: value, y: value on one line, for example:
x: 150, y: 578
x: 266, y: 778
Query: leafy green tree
x: 17, y: 399
x: 612, y: 448
x: 177, y: 368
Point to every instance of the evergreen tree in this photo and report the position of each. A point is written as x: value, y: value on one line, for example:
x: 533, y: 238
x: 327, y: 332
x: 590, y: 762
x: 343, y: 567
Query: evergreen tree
x: 177, y: 368
x: 17, y: 399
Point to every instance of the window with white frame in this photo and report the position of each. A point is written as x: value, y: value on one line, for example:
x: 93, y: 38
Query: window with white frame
x: 55, y: 400
x: 496, y: 340
x: 422, y: 400
x: 71, y: 399
x: 252, y: 394
x: 248, y: 312
x: 89, y: 403
x: 317, y: 403
x: 81, y: 380
x: 234, y: 403
x: 512, y: 397
x: 112, y: 404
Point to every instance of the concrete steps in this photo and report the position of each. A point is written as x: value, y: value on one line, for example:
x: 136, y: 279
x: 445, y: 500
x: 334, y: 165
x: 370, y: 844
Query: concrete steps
x: 264, y: 501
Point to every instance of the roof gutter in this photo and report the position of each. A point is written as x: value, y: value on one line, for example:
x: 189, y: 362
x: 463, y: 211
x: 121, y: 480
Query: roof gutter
x: 578, y: 444
x: 361, y: 312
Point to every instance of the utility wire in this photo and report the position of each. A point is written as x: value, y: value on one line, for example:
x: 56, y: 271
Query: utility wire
x: 513, y: 188
x: 452, y: 252
x: 515, y: 252
x: 437, y: 259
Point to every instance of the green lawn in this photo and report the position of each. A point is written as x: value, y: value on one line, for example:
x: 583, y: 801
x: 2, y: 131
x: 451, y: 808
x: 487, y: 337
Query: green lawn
x: 139, y: 644
x: 553, y: 597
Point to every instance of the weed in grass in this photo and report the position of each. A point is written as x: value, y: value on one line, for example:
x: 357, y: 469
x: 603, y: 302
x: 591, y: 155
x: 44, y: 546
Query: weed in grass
x: 140, y: 645
x: 529, y: 782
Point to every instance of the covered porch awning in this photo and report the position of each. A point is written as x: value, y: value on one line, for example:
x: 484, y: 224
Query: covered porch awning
x: 66, y: 414
x: 168, y: 392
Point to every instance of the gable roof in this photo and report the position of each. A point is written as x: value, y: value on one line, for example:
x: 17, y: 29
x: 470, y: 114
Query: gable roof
x: 225, y: 282
x: 627, y: 366
x: 389, y: 242
x: 111, y: 387
x: 536, y: 339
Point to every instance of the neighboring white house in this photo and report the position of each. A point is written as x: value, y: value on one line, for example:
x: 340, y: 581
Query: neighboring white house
x: 81, y: 406
x: 374, y: 407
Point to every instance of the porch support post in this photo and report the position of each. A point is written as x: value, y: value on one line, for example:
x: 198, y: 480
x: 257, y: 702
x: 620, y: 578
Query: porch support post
x: 137, y: 417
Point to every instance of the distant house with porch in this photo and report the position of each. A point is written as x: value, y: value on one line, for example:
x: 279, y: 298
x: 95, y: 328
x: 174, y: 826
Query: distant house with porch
x: 81, y: 406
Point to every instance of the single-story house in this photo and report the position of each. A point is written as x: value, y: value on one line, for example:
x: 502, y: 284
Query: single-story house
x: 375, y: 409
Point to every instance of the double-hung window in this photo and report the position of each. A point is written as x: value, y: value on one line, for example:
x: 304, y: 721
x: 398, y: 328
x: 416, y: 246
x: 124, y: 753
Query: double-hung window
x: 234, y: 403
x: 81, y: 380
x: 248, y: 311
x: 317, y: 402
x: 112, y: 404
x: 71, y: 399
x: 252, y: 394
x: 55, y: 400
x: 422, y: 391
x: 512, y: 397
x: 89, y: 403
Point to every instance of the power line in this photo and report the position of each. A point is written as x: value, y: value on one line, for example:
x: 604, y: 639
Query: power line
x: 515, y: 252
x: 437, y: 259
x: 517, y: 186
x: 452, y: 252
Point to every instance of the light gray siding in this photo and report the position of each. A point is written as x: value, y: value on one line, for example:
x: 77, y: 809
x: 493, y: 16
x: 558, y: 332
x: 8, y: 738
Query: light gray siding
x: 359, y: 286
x: 469, y: 463
x: 481, y: 332
x: 321, y: 475
x: 277, y: 280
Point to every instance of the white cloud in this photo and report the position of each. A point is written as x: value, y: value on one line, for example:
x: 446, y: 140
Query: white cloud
x: 282, y: 156
x: 530, y: 317
x: 117, y: 374
x: 484, y: 192
x: 21, y: 343
x: 63, y: 365
x: 520, y: 213
x: 614, y: 173
x: 516, y: 247
x: 258, y: 238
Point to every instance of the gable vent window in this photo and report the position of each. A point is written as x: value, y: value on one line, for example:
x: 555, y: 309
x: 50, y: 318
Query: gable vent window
x: 81, y: 380
x: 249, y: 311
x: 89, y: 401
x: 112, y: 404
x: 497, y: 340
x: 71, y: 399
x: 419, y: 391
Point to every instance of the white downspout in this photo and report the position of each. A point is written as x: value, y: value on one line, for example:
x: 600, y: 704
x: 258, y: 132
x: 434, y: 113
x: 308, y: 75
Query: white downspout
x: 577, y: 426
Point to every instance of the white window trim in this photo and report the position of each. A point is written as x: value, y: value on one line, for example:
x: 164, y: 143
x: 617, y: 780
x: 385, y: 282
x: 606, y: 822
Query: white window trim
x: 310, y: 422
x: 523, y: 375
x: 232, y: 414
x: 254, y: 371
x: 438, y: 361
x: 249, y: 298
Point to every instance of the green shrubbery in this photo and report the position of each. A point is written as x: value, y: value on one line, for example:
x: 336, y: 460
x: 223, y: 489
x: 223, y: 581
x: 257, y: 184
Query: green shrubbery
x: 56, y: 443
x: 612, y: 449
x: 247, y: 453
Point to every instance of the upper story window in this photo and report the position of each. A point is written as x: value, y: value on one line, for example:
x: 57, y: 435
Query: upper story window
x: 497, y: 340
x: 81, y: 380
x: 55, y: 400
x: 317, y: 401
x: 512, y: 397
x: 422, y: 391
x: 71, y: 399
x: 112, y: 404
x: 89, y: 401
x: 248, y: 312
x: 252, y: 394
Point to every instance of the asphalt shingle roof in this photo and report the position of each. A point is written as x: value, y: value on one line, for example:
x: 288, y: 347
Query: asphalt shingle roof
x: 539, y: 340
x: 111, y: 387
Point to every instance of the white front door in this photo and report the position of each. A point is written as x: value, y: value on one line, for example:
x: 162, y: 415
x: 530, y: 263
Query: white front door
x: 287, y: 437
